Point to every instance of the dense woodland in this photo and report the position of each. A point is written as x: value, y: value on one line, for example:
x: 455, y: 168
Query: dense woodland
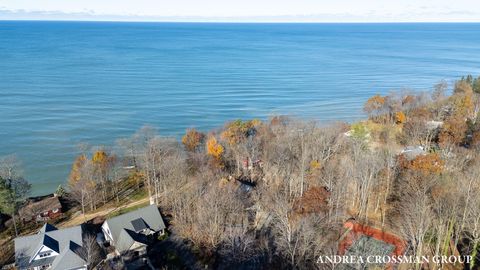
x: 275, y: 194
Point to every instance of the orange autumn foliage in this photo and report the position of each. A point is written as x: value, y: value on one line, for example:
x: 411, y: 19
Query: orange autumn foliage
x: 77, y: 179
x: 430, y: 163
x: 314, y: 200
x: 420, y: 113
x: 453, y: 131
x: 238, y: 130
x: 192, y: 139
x: 214, y: 149
x: 76, y: 173
x: 426, y: 164
x: 100, y: 157
x: 400, y: 118
x: 374, y: 104
x: 102, y: 160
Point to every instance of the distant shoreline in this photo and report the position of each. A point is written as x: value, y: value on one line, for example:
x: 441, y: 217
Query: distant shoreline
x: 96, y: 20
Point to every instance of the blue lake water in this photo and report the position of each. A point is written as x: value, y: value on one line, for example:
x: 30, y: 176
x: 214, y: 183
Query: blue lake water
x: 64, y: 83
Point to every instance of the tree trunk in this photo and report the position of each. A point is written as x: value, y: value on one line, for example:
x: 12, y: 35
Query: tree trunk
x: 14, y: 224
x: 83, y: 206
x: 474, y: 253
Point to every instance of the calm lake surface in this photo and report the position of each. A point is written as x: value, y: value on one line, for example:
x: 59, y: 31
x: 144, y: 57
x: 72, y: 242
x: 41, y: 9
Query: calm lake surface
x: 65, y: 83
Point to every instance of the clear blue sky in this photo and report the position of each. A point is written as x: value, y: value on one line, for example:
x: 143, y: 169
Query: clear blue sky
x: 245, y: 10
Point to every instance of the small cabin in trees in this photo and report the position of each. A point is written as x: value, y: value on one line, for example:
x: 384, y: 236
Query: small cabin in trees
x: 411, y: 152
x: 248, y: 164
x: 42, y: 210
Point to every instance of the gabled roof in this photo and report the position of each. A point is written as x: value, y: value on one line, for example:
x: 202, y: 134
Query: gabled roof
x: 27, y: 263
x: 127, y: 238
x: 146, y: 217
x: 50, y: 243
x: 139, y: 224
x: 73, y: 257
x: 47, y: 228
x: 66, y: 242
x: 35, y: 208
x: 411, y: 152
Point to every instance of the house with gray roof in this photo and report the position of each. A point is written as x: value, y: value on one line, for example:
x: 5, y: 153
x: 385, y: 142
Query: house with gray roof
x: 42, y: 210
x: 134, y: 230
x: 51, y: 248
x: 411, y: 152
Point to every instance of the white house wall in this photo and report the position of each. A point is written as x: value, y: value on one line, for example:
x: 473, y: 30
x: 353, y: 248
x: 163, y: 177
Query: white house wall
x: 44, y: 249
x: 106, y: 231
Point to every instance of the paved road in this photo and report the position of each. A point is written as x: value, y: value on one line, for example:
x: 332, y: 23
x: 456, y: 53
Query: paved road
x: 103, y: 212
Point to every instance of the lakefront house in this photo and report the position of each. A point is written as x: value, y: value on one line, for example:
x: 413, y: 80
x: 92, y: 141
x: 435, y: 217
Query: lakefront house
x: 51, y: 248
x: 133, y: 231
x: 43, y: 210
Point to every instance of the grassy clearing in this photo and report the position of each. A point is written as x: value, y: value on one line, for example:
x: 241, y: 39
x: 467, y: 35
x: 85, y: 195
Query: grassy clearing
x: 126, y: 210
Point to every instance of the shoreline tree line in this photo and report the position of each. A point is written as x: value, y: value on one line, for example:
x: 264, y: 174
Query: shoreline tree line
x: 276, y: 193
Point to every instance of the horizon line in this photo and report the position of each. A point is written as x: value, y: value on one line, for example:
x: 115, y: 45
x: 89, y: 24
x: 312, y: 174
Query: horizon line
x: 235, y: 22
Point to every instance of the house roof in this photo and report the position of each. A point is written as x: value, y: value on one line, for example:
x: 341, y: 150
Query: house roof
x: 35, y: 208
x: 66, y: 242
x: 139, y: 224
x: 73, y: 257
x: 127, y: 238
x: 47, y: 228
x: 49, y: 242
x: 411, y: 152
x: 128, y: 224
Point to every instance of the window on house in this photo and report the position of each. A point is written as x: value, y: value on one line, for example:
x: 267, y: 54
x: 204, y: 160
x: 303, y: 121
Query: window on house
x: 46, y: 266
x: 46, y: 254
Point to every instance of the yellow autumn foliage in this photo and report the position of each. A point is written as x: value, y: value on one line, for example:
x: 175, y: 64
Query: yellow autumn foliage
x: 192, y: 139
x: 238, y: 130
x: 314, y: 165
x: 400, y: 118
x: 75, y: 173
x: 214, y: 149
x: 100, y: 157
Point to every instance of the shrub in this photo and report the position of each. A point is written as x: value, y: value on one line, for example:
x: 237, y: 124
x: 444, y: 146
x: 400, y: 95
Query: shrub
x: 400, y: 118
x: 162, y: 237
x: 360, y: 132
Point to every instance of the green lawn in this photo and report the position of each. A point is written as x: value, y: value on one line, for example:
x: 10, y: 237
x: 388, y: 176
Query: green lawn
x: 126, y: 210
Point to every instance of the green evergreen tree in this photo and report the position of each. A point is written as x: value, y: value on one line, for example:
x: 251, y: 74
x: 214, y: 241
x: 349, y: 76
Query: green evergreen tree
x: 13, y: 193
x: 476, y: 85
